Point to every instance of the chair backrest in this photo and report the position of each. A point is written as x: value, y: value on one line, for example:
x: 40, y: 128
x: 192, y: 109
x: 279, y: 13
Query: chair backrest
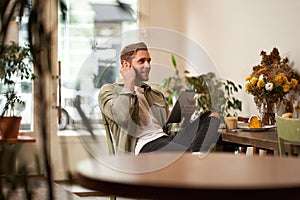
x: 288, y: 130
x: 110, y: 141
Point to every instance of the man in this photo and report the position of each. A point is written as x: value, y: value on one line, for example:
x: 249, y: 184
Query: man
x: 137, y: 114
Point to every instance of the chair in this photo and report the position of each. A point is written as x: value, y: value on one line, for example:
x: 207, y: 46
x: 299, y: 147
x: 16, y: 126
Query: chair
x: 110, y: 141
x: 288, y: 130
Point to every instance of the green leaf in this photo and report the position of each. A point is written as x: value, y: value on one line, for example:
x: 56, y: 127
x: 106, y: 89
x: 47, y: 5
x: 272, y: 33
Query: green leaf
x: 174, y: 61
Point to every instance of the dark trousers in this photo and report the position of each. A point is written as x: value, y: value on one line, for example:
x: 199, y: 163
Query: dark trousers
x: 200, y: 135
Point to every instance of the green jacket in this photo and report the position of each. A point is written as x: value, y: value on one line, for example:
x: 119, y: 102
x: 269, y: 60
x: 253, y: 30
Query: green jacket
x: 121, y: 108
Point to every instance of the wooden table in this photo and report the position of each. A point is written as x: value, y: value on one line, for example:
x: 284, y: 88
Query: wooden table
x: 186, y: 176
x: 265, y: 140
x: 12, y: 143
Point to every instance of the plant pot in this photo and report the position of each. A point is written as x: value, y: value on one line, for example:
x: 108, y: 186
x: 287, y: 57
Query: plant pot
x: 9, y: 126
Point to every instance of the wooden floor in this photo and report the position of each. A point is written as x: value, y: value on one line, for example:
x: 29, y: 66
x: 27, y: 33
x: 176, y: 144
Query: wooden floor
x: 39, y: 191
x: 86, y: 194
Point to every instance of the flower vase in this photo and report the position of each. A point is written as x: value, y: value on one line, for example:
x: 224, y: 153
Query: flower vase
x: 268, y: 110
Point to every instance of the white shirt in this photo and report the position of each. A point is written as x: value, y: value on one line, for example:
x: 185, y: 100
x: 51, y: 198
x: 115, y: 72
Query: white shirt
x: 149, y: 129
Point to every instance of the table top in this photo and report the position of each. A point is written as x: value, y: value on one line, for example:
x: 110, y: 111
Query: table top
x: 264, y: 139
x: 177, y: 176
x: 20, y: 139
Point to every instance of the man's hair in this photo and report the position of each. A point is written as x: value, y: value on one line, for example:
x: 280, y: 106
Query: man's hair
x: 130, y: 50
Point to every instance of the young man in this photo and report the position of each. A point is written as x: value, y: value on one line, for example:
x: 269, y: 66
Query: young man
x: 137, y: 114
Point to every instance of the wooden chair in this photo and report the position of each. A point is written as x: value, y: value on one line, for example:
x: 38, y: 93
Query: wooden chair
x: 288, y: 130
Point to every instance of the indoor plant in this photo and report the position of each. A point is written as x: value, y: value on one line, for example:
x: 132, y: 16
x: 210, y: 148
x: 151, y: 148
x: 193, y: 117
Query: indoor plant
x: 15, y: 66
x: 213, y: 93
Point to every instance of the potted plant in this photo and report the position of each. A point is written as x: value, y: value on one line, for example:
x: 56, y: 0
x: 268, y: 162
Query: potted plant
x: 215, y: 94
x: 212, y: 93
x: 15, y: 66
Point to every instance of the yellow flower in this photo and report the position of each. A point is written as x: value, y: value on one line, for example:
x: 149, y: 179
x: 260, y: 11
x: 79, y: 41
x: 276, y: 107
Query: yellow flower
x: 248, y: 78
x: 286, y: 88
x: 247, y: 86
x: 278, y: 80
x: 285, y: 79
x: 253, y: 80
x: 260, y: 84
x: 294, y: 83
x: 261, y: 70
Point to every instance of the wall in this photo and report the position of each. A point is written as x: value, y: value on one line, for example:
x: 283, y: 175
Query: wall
x: 233, y: 32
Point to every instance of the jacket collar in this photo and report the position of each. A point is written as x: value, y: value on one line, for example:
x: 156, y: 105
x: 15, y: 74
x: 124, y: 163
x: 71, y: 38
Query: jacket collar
x: 120, y: 81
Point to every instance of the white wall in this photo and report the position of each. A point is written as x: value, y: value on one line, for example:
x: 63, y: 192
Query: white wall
x: 233, y: 32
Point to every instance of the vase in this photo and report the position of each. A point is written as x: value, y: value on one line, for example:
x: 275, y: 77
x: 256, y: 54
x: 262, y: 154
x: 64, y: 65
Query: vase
x: 268, y: 110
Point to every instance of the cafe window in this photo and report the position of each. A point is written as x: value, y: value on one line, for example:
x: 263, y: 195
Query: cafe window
x: 18, y: 33
x: 89, y: 42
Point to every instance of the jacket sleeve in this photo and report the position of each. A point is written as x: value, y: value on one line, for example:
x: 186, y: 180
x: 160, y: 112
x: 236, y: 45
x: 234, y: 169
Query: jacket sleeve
x: 118, y: 103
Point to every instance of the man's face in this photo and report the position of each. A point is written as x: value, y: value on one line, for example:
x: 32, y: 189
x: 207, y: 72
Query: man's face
x: 141, y: 64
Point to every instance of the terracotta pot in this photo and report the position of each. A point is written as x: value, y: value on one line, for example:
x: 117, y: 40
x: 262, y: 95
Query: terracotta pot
x: 9, y: 126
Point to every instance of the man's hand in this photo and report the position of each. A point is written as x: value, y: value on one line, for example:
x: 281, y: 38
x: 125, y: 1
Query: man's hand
x: 129, y: 75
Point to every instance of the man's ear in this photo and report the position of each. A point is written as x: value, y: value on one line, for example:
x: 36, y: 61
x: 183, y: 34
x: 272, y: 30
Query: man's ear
x: 125, y: 63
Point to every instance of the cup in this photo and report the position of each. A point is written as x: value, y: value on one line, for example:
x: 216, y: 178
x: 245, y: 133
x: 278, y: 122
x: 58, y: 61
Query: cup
x: 231, y: 122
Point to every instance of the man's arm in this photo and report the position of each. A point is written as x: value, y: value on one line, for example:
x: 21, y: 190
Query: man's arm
x: 118, y: 103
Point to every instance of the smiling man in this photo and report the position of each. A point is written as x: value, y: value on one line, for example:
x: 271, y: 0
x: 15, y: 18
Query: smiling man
x: 137, y: 114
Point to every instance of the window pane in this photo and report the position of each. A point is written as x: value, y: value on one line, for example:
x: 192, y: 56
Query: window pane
x: 89, y: 43
x: 18, y: 33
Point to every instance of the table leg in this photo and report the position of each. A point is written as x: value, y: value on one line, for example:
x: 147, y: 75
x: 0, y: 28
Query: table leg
x: 8, y: 161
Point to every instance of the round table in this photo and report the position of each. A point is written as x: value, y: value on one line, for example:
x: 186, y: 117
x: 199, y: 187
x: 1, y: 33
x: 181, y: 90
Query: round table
x: 183, y: 176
